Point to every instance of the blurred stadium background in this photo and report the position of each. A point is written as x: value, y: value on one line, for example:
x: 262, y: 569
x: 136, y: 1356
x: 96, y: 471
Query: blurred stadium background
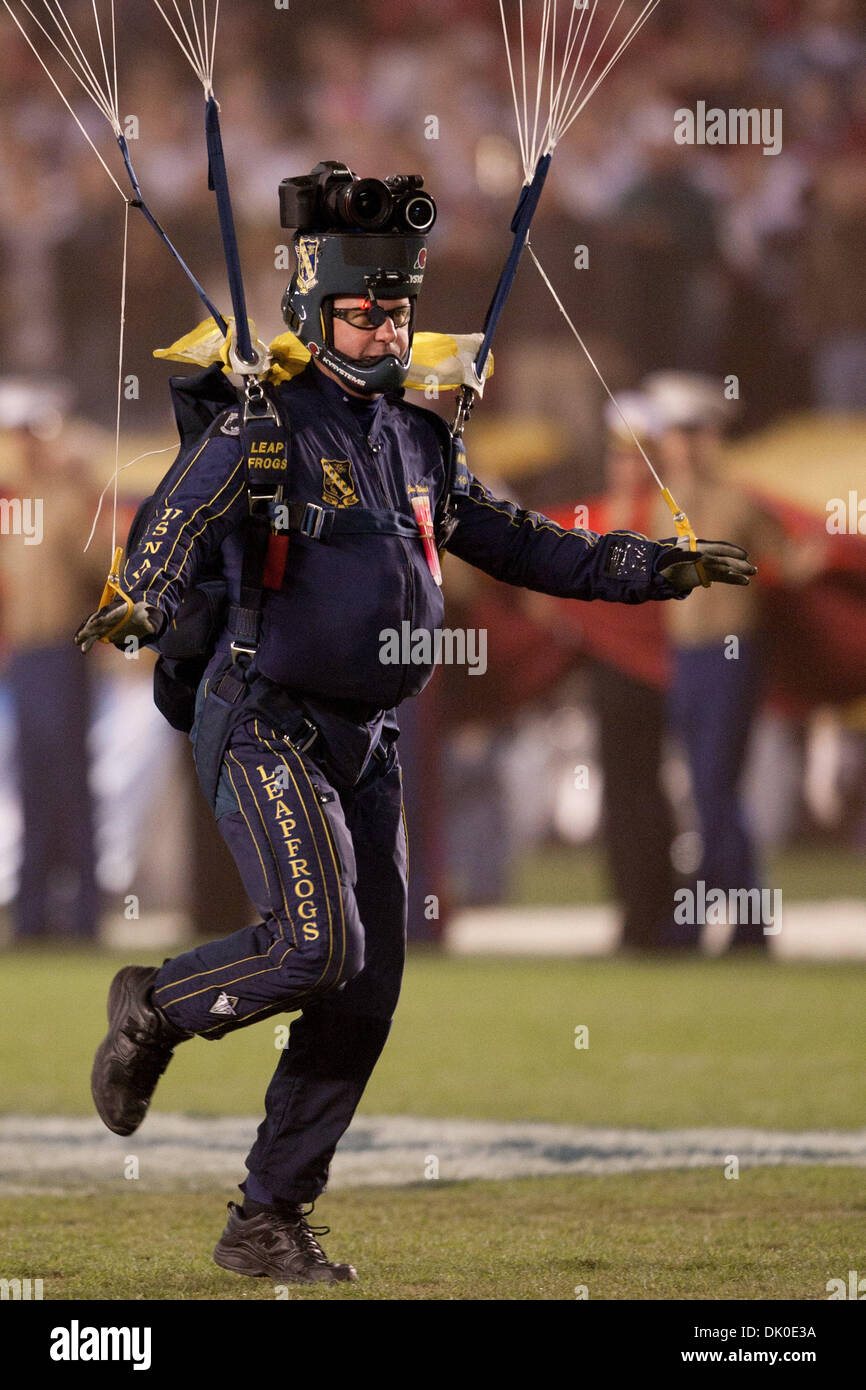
x: 717, y: 261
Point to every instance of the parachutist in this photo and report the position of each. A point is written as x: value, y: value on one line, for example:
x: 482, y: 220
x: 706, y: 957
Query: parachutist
x: 292, y: 709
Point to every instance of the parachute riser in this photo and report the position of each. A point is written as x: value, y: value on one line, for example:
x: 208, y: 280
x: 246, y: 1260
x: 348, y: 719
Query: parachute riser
x: 520, y: 226
x: 218, y: 183
x: 138, y: 202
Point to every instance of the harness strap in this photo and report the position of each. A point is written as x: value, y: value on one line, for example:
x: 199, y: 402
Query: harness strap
x: 266, y: 441
x: 456, y: 484
x: 320, y: 523
x: 228, y: 688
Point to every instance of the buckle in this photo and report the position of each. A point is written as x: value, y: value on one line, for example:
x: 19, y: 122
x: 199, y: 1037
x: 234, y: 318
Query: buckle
x: 305, y: 736
x: 312, y: 521
x: 240, y: 648
x: 446, y: 528
x: 257, y: 406
x: 257, y: 493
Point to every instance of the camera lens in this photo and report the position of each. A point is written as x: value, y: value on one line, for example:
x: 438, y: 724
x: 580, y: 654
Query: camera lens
x: 419, y: 212
x: 366, y: 203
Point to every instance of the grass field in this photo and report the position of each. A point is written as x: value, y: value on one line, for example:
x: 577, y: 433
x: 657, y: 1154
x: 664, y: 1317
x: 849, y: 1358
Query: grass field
x: 671, y: 1043
x: 773, y: 1234
x: 562, y: 875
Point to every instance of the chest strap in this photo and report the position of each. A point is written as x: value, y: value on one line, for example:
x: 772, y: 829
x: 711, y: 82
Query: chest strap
x: 320, y: 523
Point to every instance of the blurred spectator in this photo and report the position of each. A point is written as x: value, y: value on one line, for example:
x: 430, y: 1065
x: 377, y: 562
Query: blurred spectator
x: 833, y: 288
x: 716, y: 634
x: 45, y: 585
x: 667, y: 230
x: 637, y: 827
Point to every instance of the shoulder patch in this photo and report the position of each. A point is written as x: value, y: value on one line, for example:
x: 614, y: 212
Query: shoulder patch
x: 627, y: 558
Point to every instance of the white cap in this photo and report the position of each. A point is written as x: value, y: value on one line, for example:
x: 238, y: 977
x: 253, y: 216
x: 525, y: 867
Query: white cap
x: 640, y: 412
x: 26, y: 403
x: 687, y: 400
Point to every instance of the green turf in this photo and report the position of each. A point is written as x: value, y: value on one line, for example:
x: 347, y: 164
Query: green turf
x: 563, y: 875
x: 671, y: 1043
x: 771, y: 1234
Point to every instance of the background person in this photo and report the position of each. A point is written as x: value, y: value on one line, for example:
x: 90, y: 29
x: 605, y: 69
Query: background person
x: 637, y: 826
x: 717, y: 646
x: 44, y: 580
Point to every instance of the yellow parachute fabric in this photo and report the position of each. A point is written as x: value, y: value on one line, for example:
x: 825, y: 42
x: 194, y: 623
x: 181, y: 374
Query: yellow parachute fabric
x: 445, y: 360
x: 440, y: 360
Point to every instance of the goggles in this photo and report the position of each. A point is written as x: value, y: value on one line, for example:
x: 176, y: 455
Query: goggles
x: 368, y: 316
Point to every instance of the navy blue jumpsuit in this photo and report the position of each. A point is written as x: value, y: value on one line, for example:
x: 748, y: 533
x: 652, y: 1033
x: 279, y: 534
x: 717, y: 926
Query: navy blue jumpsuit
x: 318, y: 831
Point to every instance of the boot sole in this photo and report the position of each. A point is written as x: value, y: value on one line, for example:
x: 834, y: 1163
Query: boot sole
x: 239, y: 1261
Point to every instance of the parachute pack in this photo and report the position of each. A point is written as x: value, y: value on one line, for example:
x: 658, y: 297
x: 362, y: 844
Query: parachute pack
x: 186, y: 646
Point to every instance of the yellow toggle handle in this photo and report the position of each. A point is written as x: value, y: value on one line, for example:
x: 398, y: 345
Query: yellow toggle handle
x: 685, y: 528
x: 113, y: 590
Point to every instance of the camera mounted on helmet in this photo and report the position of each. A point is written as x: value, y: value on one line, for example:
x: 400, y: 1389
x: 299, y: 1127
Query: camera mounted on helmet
x: 354, y: 237
x: 333, y: 199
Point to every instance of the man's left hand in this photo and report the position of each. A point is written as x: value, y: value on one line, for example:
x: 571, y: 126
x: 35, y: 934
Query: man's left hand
x: 722, y: 563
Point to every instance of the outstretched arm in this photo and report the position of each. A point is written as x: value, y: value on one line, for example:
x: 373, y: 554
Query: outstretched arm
x: 527, y: 549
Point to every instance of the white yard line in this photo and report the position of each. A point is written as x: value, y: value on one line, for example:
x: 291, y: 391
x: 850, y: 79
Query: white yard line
x: 808, y: 931
x: 38, y: 1153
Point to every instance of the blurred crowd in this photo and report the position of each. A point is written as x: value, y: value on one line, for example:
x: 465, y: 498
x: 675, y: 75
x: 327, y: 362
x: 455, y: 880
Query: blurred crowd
x: 699, y: 257
x: 704, y: 259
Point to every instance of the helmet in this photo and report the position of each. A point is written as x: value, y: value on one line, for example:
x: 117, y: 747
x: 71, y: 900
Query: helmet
x: 387, y: 265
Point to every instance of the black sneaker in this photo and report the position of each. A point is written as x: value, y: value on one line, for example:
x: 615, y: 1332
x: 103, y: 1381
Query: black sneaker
x: 279, y: 1244
x: 135, y: 1052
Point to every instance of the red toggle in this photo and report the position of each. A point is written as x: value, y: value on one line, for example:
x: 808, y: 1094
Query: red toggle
x: 275, y: 562
x: 424, y: 518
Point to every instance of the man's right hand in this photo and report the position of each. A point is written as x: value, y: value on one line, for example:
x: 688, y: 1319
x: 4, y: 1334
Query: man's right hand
x: 143, y: 623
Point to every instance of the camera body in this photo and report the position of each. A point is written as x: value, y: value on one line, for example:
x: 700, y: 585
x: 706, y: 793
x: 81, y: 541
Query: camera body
x: 333, y: 199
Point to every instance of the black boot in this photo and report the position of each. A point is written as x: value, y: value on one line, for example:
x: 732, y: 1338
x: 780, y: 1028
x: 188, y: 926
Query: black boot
x: 278, y: 1243
x: 135, y: 1052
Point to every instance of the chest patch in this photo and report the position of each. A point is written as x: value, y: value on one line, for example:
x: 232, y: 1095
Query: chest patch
x: 338, y: 484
